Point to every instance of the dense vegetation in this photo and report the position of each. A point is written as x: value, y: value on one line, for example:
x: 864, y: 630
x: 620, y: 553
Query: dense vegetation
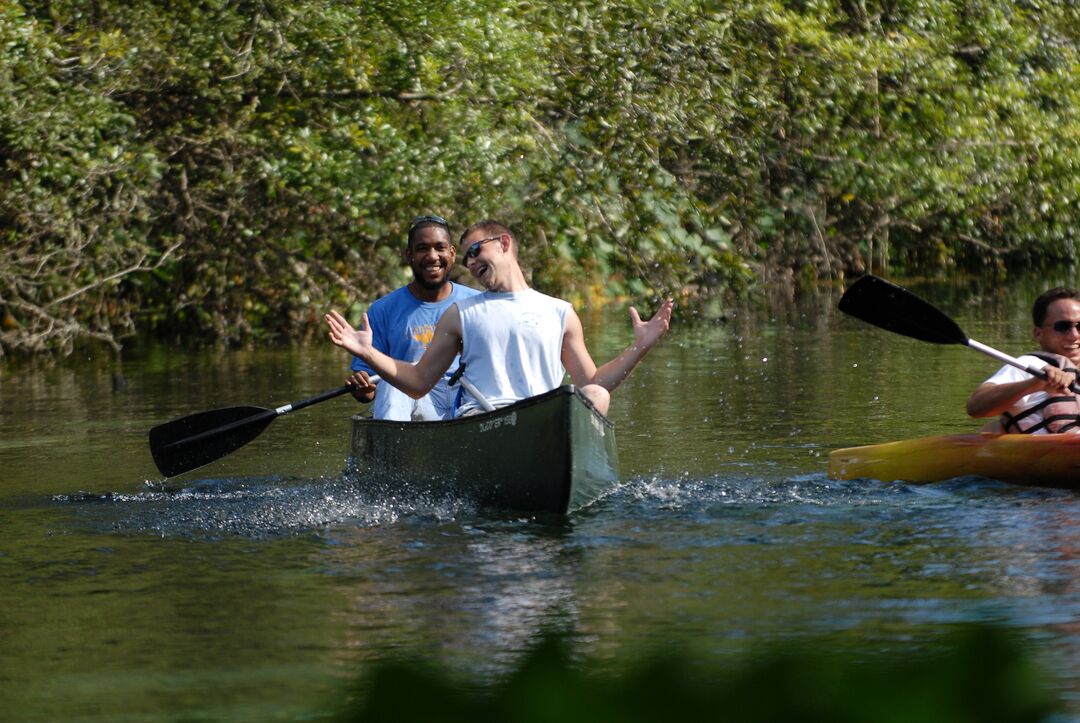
x: 226, y: 170
x: 977, y: 674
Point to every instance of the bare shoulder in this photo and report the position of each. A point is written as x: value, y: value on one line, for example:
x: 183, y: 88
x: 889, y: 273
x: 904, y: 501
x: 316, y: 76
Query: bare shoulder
x: 572, y: 326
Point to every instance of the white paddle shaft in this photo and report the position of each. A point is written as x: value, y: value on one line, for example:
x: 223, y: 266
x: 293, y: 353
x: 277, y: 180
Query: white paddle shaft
x: 484, y: 403
x: 1013, y: 361
x: 1003, y: 357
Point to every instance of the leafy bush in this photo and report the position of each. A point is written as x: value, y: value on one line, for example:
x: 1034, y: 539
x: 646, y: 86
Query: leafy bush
x: 225, y: 171
x: 978, y: 674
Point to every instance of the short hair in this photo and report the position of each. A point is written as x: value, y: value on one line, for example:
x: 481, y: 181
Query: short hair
x: 1042, y: 304
x: 421, y: 222
x: 489, y: 228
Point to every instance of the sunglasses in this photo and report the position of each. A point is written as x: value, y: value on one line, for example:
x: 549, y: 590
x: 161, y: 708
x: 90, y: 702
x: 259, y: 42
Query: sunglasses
x: 474, y: 248
x: 428, y: 219
x: 1065, y: 325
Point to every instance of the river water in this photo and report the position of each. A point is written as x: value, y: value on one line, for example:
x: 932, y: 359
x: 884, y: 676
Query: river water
x: 257, y: 587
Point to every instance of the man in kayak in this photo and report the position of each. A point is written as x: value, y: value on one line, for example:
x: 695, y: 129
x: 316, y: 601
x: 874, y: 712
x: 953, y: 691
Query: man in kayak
x: 1028, y: 404
x: 403, y: 324
x: 514, y: 341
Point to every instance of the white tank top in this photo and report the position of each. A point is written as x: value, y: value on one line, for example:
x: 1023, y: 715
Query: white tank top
x: 511, y: 345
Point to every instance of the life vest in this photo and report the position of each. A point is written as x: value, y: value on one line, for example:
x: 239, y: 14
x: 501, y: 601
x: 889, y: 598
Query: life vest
x: 1059, y: 414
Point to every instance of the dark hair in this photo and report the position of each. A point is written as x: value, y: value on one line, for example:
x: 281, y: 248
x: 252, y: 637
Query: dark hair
x: 423, y: 222
x: 1038, y: 310
x: 489, y: 228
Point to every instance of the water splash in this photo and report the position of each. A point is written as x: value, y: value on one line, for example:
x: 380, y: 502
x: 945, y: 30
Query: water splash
x: 253, y: 507
x: 691, y: 491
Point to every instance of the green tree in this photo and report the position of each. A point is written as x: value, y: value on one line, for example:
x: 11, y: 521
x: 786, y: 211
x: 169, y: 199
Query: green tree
x: 225, y: 170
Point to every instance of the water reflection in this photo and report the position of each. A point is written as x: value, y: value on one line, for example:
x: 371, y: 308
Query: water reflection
x: 474, y: 594
x: 273, y: 572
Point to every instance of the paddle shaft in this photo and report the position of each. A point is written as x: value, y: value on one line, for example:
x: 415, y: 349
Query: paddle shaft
x: 468, y: 386
x: 271, y: 414
x: 459, y: 376
x: 259, y: 418
x: 190, y: 442
x: 1013, y: 361
x: 484, y: 403
x: 894, y: 308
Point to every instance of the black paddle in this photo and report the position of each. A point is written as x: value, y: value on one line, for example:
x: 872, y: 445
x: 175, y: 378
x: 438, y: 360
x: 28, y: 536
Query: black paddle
x: 189, y: 442
x: 891, y: 307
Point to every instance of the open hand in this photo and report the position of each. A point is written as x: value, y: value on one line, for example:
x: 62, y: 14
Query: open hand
x: 647, y: 333
x: 356, y: 341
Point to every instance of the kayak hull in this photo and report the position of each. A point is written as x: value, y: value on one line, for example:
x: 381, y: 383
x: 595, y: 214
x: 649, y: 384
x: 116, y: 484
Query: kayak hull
x: 1051, y: 460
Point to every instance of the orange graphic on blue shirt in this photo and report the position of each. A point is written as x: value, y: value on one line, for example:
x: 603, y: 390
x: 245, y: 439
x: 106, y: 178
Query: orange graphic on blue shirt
x: 423, y: 334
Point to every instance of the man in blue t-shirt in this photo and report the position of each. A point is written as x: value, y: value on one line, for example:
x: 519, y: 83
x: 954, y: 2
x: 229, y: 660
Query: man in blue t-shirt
x: 403, y: 324
x: 515, y: 339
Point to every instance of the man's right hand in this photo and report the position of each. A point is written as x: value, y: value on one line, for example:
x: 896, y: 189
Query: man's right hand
x: 362, y: 388
x: 1058, y: 380
x: 357, y: 342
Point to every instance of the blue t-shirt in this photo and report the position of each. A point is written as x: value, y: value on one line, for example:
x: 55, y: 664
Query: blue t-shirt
x: 402, y: 325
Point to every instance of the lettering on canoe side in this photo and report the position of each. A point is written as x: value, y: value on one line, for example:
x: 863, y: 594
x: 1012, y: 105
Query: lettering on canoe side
x: 510, y: 420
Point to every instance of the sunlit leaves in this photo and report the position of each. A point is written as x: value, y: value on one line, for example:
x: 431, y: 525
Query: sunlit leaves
x: 640, y: 148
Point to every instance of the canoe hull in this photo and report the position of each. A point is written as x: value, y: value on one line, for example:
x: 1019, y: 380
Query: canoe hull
x: 549, y: 453
x: 1051, y: 460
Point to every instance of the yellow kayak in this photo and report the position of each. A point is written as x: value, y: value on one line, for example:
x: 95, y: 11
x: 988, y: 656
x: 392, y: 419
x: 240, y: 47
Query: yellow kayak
x: 1038, y: 459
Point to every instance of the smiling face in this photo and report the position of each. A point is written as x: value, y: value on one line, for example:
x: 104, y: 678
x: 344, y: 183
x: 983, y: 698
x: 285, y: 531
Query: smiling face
x: 484, y: 256
x: 430, y: 256
x: 1065, y: 339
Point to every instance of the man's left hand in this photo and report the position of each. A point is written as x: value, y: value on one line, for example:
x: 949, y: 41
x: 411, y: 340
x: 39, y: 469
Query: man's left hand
x: 647, y: 333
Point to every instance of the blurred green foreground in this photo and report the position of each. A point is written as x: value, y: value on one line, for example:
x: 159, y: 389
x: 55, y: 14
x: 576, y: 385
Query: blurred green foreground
x: 979, y: 674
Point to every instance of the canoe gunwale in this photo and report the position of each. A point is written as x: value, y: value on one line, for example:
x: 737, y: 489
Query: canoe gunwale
x: 566, y: 389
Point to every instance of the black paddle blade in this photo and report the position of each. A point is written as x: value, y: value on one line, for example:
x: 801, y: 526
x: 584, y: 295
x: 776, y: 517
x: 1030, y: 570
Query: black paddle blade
x: 891, y: 307
x: 189, y: 442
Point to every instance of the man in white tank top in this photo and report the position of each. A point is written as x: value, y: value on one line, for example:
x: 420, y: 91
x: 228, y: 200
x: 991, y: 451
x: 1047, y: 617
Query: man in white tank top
x: 515, y: 342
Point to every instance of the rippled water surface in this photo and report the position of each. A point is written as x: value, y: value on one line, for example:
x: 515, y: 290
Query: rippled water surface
x: 256, y: 588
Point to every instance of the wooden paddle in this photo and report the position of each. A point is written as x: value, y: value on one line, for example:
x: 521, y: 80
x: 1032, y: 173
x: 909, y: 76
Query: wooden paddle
x: 895, y: 309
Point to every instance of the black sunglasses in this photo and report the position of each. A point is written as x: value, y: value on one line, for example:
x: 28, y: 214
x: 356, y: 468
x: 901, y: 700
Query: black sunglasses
x: 1064, y: 325
x: 474, y: 248
x: 428, y: 219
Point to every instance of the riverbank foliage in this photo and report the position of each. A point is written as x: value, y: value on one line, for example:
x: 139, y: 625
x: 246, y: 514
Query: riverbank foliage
x: 226, y: 170
x: 977, y: 674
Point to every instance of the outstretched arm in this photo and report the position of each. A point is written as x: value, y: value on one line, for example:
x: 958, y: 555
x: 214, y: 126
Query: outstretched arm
x: 583, y: 370
x: 416, y: 380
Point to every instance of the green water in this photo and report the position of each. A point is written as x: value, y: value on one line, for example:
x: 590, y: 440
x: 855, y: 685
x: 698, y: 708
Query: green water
x: 260, y: 587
